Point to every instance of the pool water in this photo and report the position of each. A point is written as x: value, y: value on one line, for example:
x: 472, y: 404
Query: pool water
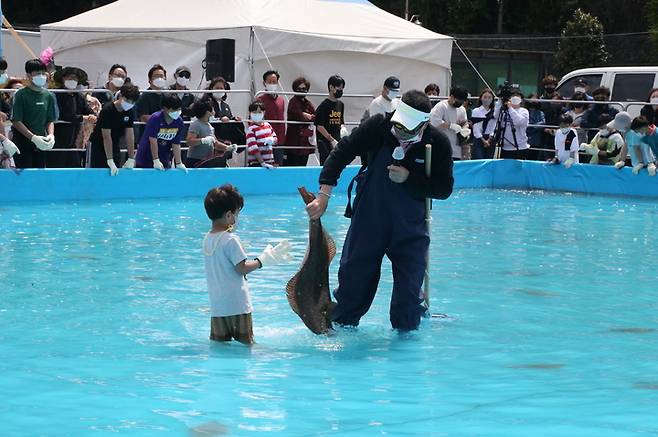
x: 553, y: 326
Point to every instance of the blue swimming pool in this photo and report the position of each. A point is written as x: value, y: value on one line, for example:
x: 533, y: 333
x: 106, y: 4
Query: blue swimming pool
x: 552, y: 331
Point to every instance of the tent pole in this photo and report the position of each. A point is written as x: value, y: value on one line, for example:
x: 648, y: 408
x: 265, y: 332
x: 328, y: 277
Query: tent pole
x: 251, y: 63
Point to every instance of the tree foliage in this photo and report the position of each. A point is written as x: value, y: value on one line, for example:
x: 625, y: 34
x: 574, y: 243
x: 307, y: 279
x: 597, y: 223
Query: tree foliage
x: 581, y: 44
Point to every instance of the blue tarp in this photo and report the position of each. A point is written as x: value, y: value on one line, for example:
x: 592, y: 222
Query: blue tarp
x: 97, y: 184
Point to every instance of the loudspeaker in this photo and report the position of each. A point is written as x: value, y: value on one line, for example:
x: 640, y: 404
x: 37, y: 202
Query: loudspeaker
x: 220, y: 59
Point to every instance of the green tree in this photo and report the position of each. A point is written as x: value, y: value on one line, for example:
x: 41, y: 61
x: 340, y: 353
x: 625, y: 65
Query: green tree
x: 581, y: 43
x: 652, y: 15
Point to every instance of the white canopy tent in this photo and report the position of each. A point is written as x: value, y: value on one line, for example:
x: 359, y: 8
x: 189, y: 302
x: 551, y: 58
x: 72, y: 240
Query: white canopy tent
x: 313, y: 38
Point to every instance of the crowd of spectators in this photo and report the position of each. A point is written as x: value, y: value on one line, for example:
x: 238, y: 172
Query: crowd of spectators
x: 178, y: 129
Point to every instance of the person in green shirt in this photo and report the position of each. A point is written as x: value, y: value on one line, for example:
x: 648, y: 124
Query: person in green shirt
x: 32, y: 118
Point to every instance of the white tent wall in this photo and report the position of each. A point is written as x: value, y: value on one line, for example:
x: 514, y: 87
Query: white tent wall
x: 15, y: 53
x: 354, y: 39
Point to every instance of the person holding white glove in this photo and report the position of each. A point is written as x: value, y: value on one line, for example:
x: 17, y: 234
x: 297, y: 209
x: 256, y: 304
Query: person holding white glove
x: 449, y: 116
x: 260, y: 138
x: 33, y: 117
x: 162, y: 136
x: 227, y: 264
x: 566, y: 142
x: 608, y: 146
x: 7, y: 150
x: 114, y: 128
x: 201, y: 140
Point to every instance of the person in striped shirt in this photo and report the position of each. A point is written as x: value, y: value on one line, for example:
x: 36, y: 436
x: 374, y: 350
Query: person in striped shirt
x: 260, y: 138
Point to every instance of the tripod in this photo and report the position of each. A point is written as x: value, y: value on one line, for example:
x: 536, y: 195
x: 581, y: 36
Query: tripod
x: 502, y: 122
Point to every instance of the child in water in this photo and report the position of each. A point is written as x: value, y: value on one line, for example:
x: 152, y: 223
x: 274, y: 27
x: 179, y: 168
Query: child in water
x: 227, y: 265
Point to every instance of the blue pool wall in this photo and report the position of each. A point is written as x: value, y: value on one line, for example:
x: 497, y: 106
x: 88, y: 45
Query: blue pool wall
x: 97, y: 184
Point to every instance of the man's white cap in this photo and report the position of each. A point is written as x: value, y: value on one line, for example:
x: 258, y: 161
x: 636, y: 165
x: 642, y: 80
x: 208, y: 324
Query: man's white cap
x: 409, y: 117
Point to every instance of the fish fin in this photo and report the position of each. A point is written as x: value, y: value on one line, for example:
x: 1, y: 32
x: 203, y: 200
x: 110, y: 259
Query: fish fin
x: 331, y: 245
x: 290, y: 293
x: 306, y: 195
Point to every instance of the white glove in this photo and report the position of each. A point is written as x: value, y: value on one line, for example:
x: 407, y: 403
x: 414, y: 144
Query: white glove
x: 455, y: 127
x: 568, y: 163
x: 637, y: 168
x: 10, y: 147
x: 130, y: 163
x: 41, y: 143
x: 269, y: 141
x: 334, y: 143
x: 651, y: 168
x: 591, y: 150
x: 158, y: 165
x: 113, y: 167
x: 232, y: 148
x: 344, y: 132
x: 465, y: 132
x: 208, y: 141
x: 275, y: 255
x: 266, y: 165
x: 181, y: 166
x: 620, y: 164
x: 51, y: 140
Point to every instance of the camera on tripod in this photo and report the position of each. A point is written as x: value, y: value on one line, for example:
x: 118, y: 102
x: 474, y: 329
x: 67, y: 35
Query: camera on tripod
x: 506, y: 89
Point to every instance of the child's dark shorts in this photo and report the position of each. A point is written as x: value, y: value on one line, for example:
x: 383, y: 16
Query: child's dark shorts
x: 227, y: 328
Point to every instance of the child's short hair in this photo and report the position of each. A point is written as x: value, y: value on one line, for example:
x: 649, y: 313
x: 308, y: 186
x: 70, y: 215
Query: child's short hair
x: 604, y: 119
x: 639, y: 122
x: 201, y: 107
x: 34, y: 65
x: 130, y: 92
x: 565, y: 119
x: 221, y: 200
x: 256, y: 104
x: 171, y: 101
x: 335, y: 81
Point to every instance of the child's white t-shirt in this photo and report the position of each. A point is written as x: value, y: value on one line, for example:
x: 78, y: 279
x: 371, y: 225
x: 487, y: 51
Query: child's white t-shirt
x: 566, y: 146
x: 227, y: 289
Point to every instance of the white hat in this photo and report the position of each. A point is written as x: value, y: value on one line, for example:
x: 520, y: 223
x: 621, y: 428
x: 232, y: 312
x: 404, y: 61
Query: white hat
x: 621, y: 122
x: 409, y: 117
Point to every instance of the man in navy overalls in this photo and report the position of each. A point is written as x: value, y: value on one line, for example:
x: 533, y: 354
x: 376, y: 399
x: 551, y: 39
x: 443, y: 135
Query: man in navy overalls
x: 388, y: 215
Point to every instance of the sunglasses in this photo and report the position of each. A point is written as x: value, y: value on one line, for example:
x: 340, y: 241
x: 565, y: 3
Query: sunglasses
x: 301, y: 90
x: 184, y: 74
x: 400, y: 126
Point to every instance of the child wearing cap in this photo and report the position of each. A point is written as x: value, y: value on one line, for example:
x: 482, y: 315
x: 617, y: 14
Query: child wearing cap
x: 607, y: 146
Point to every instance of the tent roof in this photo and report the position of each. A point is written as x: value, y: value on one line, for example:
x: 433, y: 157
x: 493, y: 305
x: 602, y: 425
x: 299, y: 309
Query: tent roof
x: 340, y: 18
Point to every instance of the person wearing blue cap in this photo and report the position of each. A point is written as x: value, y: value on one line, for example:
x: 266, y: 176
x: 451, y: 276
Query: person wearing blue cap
x: 388, y: 214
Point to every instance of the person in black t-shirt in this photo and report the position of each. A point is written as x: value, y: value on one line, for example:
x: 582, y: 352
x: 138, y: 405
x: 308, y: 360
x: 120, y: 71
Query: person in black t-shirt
x: 329, y: 118
x: 115, y: 122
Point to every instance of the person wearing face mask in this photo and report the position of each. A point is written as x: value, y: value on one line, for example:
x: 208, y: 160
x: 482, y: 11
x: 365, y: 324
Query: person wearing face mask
x: 183, y: 76
x: 113, y: 129
x: 580, y: 86
x: 590, y: 119
x: 433, y: 91
x: 608, y: 146
x: 261, y: 137
x: 449, y: 116
x: 150, y: 103
x: 226, y: 132
x: 650, y: 111
x: 566, y: 143
x: 329, y: 118
x: 33, y: 116
x: 74, y: 110
x: 275, y: 109
x: 389, y: 98
x: 205, y: 150
x: 511, y: 134
x: 299, y: 109
x: 576, y: 112
x: 552, y: 112
x: 387, y: 216
x: 162, y: 136
x: 483, y: 126
x: 639, y: 151
x: 115, y: 79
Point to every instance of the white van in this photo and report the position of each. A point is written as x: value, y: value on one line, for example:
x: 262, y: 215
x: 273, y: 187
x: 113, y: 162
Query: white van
x: 627, y: 84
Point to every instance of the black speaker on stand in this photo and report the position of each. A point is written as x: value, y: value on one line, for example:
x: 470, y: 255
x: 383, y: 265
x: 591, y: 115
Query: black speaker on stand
x: 220, y: 59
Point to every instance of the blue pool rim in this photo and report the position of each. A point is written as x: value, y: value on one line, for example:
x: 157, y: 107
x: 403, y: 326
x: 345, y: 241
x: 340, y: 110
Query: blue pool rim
x: 96, y: 184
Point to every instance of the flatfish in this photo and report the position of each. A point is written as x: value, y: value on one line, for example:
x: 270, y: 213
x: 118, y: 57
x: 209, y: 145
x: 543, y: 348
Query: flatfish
x: 308, y: 291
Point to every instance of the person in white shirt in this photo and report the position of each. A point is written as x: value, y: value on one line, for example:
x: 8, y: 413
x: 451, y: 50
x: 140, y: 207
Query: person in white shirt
x: 566, y: 143
x: 512, y: 137
x: 449, y: 116
x: 388, y: 101
x: 484, y: 125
